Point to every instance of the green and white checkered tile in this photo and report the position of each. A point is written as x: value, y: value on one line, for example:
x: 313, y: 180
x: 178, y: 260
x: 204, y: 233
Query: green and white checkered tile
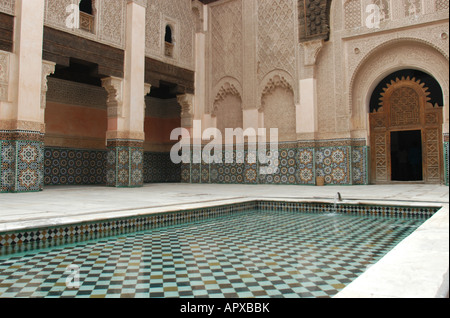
x: 256, y: 254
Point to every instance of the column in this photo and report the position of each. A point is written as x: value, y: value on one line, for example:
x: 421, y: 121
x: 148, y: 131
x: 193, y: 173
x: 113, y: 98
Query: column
x: 22, y: 128
x: 126, y: 106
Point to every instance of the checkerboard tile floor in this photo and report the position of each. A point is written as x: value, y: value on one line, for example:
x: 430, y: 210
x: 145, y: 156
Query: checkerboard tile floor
x: 250, y: 254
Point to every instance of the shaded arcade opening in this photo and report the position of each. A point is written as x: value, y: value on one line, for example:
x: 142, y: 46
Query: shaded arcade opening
x: 162, y: 115
x: 76, y: 125
x: 76, y: 118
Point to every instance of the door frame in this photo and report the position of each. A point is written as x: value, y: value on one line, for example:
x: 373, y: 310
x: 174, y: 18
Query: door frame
x: 385, y: 120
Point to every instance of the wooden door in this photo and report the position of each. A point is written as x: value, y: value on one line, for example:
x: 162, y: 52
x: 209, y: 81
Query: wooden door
x: 404, y: 106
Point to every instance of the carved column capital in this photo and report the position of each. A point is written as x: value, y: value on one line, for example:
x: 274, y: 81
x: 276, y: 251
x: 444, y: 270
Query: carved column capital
x: 186, y: 102
x: 47, y: 69
x: 311, y: 50
x: 114, y: 102
x: 147, y: 89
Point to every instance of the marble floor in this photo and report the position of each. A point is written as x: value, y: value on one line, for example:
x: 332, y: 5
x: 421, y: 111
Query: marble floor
x: 59, y: 205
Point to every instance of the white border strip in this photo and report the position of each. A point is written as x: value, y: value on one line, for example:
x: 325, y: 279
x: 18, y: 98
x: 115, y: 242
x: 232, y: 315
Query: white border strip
x: 418, y: 267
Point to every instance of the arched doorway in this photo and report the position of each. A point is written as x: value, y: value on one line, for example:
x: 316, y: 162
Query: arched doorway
x: 406, y: 129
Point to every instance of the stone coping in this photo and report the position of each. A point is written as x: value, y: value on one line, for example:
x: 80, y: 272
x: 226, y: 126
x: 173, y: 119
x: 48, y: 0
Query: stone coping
x: 102, y: 215
x: 418, y: 267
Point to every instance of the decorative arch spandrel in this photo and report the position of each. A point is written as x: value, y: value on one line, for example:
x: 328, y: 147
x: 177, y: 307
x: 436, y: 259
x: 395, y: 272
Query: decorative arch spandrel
x: 405, y: 107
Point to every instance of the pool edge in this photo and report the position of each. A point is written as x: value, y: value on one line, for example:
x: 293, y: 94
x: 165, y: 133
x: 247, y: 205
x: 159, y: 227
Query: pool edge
x: 360, y: 289
x: 421, y: 259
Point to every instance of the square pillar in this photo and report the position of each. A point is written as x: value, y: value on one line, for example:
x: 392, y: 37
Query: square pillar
x: 22, y: 125
x: 125, y: 164
x: 126, y: 106
x: 21, y: 161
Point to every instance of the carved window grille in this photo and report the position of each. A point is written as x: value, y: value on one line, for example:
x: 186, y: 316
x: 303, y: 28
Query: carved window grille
x: 441, y: 5
x: 87, y: 18
x: 168, y: 42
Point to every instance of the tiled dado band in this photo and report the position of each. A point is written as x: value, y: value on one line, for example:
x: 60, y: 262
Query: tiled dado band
x: 69, y: 166
x: 31, y: 239
x: 446, y: 158
x: 21, y: 161
x: 65, y: 166
x: 125, y: 163
x: 343, y: 162
x: 159, y: 168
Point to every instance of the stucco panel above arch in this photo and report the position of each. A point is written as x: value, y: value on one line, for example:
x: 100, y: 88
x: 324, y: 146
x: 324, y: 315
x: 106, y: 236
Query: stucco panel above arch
x: 226, y: 86
x: 390, y: 57
x: 276, y: 78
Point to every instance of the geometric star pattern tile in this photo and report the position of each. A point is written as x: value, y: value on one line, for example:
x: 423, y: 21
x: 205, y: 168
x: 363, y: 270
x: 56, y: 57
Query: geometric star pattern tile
x: 446, y: 161
x: 159, y: 168
x: 21, y: 165
x: 63, y: 166
x: 343, y: 165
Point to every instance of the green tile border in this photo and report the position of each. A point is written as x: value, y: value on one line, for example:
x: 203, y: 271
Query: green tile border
x: 37, y: 238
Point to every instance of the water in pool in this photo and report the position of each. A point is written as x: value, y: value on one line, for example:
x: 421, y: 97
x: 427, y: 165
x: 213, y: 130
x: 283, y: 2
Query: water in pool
x: 249, y: 254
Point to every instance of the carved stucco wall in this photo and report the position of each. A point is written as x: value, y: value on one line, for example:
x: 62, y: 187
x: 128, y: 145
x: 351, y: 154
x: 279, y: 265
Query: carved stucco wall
x: 389, y: 57
x: 229, y: 114
x: 345, y: 69
x: 357, y: 57
x: 276, y: 37
x: 179, y: 15
x: 7, y: 6
x: 110, y: 23
x: 391, y: 11
x: 4, y: 75
x: 226, y: 56
x: 271, y: 34
x: 279, y: 112
x: 110, y: 20
x: 226, y: 41
x: 351, y: 42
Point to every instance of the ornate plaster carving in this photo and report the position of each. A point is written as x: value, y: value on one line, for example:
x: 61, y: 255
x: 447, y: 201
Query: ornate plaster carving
x: 311, y: 50
x: 228, y: 88
x: 114, y: 87
x: 4, y: 75
x: 109, y: 20
x: 198, y: 15
x: 277, y: 38
x: 7, y: 6
x: 390, y: 57
x: 274, y: 82
x: 47, y: 69
x: 186, y: 102
x: 178, y: 12
x: 226, y: 40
